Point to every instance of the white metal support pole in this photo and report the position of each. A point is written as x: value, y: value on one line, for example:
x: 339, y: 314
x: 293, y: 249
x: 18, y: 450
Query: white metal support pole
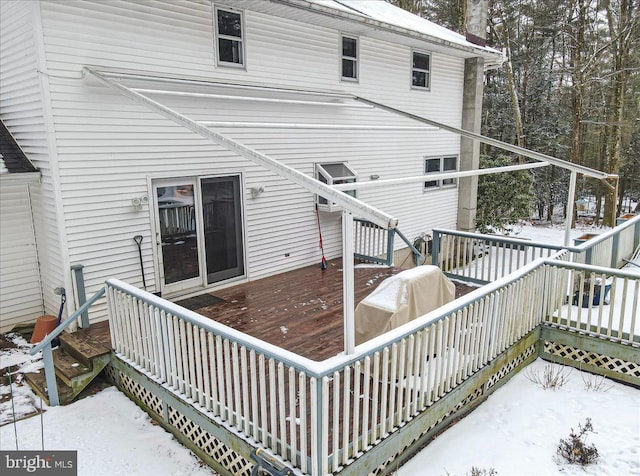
x: 570, y: 205
x: 348, y: 300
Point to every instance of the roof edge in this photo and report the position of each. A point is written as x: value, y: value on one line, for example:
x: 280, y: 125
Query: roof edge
x: 491, y: 54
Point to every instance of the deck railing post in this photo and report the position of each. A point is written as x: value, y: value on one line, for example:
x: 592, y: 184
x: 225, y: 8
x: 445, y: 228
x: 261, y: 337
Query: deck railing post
x: 80, y: 293
x: 588, y: 256
x: 615, y: 250
x: 390, y: 239
x: 435, y: 248
x: 50, y: 375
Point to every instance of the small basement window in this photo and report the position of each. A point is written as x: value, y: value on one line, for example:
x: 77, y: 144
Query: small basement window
x: 229, y: 37
x: 333, y: 174
x: 420, y: 70
x: 349, y: 58
x: 435, y: 165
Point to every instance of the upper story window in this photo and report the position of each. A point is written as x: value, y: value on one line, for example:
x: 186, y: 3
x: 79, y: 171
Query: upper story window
x: 229, y: 37
x: 349, y: 58
x: 333, y: 174
x: 420, y: 70
x: 433, y: 165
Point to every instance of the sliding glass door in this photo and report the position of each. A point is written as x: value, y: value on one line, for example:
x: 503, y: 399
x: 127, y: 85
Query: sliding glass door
x: 221, y: 209
x: 198, y: 231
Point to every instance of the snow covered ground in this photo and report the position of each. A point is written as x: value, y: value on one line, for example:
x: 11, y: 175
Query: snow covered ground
x: 516, y: 432
x: 112, y: 436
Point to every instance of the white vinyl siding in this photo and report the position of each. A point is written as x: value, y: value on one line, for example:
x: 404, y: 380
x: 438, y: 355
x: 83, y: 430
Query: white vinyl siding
x: 21, y: 109
x: 110, y: 148
x: 20, y: 287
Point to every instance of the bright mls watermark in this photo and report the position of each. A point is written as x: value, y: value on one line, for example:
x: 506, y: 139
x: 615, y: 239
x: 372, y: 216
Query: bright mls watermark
x: 51, y: 463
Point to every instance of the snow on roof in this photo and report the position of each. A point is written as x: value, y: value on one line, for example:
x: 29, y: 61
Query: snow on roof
x: 385, y: 12
x: 381, y: 11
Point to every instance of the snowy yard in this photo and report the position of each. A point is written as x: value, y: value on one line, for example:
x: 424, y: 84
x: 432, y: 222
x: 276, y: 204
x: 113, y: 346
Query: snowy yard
x: 515, y: 432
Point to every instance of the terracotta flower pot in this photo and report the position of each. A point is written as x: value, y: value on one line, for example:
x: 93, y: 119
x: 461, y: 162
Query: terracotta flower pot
x: 44, y: 325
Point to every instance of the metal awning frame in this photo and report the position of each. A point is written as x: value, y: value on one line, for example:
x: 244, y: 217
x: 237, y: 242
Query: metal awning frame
x: 351, y: 206
x: 346, y: 201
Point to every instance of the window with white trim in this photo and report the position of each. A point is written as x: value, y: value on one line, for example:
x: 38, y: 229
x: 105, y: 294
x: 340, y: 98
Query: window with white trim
x: 349, y: 58
x: 437, y: 165
x: 420, y: 70
x: 333, y: 174
x: 229, y: 37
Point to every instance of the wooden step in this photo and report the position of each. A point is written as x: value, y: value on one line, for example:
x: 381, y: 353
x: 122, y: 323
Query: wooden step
x: 68, y: 368
x: 82, y: 347
x: 38, y: 384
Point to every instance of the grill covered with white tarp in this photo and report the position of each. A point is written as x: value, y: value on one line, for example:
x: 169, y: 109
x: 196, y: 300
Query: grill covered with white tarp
x: 400, y: 299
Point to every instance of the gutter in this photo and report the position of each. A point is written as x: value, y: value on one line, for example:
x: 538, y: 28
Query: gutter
x: 23, y: 177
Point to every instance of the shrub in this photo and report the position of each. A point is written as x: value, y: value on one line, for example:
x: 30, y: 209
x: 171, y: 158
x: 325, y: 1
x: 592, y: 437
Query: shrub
x: 574, y: 450
x: 503, y: 199
x: 595, y: 382
x: 553, y: 376
x: 475, y: 471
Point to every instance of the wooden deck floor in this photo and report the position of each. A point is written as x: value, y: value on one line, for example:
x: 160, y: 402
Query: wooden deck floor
x: 300, y: 311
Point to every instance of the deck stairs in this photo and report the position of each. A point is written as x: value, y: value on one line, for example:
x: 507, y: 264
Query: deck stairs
x: 77, y: 361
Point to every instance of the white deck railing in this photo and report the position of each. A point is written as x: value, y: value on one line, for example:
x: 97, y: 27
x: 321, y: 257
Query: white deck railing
x: 320, y: 416
x: 601, y: 302
x: 485, y: 258
x: 372, y: 242
x: 247, y: 385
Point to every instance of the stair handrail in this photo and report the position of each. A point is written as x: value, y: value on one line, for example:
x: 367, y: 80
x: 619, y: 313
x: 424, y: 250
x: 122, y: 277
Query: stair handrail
x: 417, y: 255
x: 47, y: 352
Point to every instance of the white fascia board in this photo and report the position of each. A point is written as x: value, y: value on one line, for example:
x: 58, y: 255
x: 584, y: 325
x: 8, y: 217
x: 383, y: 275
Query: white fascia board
x: 353, y: 205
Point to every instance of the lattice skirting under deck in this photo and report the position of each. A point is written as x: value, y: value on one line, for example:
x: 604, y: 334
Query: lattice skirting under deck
x: 504, y: 373
x: 507, y: 369
x: 227, y: 457
x: 585, y: 357
x: 179, y: 423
